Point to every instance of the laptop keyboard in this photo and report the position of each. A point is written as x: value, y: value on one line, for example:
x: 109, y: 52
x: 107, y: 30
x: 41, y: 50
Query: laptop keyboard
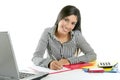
x: 23, y: 75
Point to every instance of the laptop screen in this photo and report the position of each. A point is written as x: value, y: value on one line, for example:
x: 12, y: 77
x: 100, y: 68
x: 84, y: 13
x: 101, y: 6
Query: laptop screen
x: 8, y: 67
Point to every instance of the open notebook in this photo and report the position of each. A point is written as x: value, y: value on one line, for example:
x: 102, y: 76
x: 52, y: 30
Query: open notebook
x: 8, y: 66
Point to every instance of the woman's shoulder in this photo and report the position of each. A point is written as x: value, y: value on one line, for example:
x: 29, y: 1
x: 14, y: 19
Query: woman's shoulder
x: 77, y: 32
x: 48, y: 29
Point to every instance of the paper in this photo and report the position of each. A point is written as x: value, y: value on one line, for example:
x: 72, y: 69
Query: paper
x: 42, y: 69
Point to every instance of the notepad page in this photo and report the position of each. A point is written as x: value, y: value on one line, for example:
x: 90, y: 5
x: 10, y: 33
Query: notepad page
x: 39, y: 69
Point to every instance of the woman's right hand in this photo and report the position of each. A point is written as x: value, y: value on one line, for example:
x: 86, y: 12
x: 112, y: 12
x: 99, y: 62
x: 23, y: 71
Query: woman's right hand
x: 55, y: 65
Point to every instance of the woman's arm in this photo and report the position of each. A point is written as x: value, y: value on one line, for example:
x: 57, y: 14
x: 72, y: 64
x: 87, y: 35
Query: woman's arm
x: 90, y: 55
x: 40, y: 51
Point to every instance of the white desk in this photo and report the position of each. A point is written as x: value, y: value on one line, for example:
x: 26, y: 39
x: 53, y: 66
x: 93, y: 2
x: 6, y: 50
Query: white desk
x: 78, y: 74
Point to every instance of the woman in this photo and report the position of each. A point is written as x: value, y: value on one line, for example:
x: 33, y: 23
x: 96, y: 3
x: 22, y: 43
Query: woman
x: 62, y: 41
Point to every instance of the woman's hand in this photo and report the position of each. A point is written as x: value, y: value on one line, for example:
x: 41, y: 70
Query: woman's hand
x: 64, y: 61
x: 55, y: 65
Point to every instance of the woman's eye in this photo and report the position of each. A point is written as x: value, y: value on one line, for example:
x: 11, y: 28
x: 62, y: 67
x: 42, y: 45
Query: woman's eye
x: 73, y: 23
x: 66, y: 19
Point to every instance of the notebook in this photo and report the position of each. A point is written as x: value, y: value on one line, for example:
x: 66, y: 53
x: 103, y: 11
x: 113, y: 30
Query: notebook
x: 8, y: 66
x: 80, y: 65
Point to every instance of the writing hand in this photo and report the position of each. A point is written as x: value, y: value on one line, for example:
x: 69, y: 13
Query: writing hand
x: 55, y: 65
x: 64, y: 61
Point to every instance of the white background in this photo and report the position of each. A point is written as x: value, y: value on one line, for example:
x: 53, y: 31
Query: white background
x: 26, y: 19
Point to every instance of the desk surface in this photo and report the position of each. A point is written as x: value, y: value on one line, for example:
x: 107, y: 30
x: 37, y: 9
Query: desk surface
x: 78, y: 74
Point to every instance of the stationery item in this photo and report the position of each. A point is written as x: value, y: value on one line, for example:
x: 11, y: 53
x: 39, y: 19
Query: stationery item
x: 107, y: 69
x: 115, y: 65
x: 59, y: 71
x: 95, y: 70
x: 114, y: 69
x: 43, y: 69
x: 53, y: 57
x: 79, y: 65
x: 105, y: 65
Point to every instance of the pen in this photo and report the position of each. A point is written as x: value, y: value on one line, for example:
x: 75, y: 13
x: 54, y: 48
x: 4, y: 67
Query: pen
x: 53, y: 57
x: 114, y: 68
x: 60, y: 67
x: 115, y: 65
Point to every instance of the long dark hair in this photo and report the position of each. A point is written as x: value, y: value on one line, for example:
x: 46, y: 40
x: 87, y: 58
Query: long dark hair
x: 67, y: 11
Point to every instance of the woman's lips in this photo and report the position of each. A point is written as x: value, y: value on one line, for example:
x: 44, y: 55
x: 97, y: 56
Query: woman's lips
x: 65, y: 30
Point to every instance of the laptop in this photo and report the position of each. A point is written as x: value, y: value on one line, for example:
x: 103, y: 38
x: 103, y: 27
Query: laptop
x: 8, y: 66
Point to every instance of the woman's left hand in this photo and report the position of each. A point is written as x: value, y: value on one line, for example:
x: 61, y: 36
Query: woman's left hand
x: 64, y: 61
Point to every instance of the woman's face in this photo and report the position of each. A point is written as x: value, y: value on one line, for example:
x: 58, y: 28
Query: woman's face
x: 67, y: 24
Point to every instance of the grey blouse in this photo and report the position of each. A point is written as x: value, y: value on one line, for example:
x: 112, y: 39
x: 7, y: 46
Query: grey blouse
x: 66, y: 50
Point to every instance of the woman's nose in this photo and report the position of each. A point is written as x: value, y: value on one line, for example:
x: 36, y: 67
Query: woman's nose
x: 68, y: 24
